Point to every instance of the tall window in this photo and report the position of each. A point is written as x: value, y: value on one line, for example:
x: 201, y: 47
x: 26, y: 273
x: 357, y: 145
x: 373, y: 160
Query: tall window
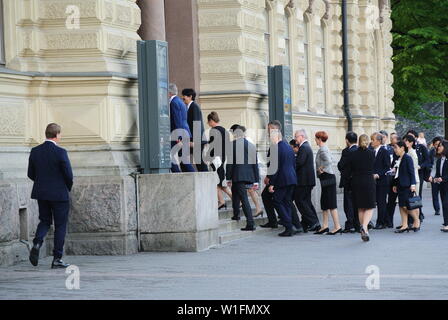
x: 286, y: 36
x: 324, y: 65
x: 2, y: 42
x: 306, y: 62
x: 267, y: 33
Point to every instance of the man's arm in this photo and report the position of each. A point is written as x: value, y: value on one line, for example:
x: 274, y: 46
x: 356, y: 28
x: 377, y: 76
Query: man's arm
x: 31, y: 169
x: 301, y: 158
x: 343, y: 161
x: 67, y: 170
x: 425, y: 158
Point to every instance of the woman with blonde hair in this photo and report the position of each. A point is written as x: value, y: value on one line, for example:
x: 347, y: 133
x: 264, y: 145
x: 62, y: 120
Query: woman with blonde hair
x: 360, y: 171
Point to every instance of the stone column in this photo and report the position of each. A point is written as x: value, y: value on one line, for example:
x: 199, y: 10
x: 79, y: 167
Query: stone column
x: 182, y: 36
x: 153, y: 19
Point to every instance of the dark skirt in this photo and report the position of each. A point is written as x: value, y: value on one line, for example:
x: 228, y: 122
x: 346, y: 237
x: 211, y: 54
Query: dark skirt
x: 221, y: 173
x: 404, y: 193
x: 328, y: 200
x: 364, y: 191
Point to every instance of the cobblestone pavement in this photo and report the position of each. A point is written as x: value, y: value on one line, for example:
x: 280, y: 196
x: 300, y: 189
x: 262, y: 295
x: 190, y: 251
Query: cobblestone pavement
x: 265, y: 266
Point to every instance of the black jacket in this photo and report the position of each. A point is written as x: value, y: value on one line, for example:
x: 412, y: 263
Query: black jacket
x: 286, y: 171
x: 305, y: 166
x: 242, y: 167
x: 381, y: 166
x: 444, y: 175
x: 342, y: 166
x: 50, y: 169
x: 194, y: 113
x: 423, y: 161
x: 406, y: 174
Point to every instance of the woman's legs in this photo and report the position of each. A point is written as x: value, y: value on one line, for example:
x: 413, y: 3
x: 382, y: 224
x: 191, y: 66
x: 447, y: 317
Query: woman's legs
x: 324, y: 220
x: 253, y: 194
x: 220, y: 196
x: 335, y: 217
x: 404, y: 217
x: 415, y: 215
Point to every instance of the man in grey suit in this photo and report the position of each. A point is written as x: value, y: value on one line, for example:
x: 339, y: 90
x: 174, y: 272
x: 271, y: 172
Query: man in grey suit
x: 242, y: 173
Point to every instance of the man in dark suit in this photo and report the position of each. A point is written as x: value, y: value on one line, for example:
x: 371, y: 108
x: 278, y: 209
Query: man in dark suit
x: 49, y: 167
x: 306, y: 180
x: 178, y: 120
x: 424, y: 165
x: 283, y: 181
x: 351, y: 213
x: 392, y: 196
x: 241, y: 174
x: 381, y: 168
x: 196, y: 125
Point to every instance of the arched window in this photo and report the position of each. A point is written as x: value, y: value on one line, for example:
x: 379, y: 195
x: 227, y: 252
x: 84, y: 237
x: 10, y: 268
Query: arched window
x: 306, y: 46
x: 267, y: 32
x: 323, y: 70
x: 286, y: 36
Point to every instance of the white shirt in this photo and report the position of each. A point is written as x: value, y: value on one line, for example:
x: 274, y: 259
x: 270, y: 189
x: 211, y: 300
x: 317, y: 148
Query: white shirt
x: 442, y: 161
x: 188, y: 106
x: 172, y: 97
x: 51, y: 141
x: 376, y: 150
x: 397, y: 165
x: 303, y: 142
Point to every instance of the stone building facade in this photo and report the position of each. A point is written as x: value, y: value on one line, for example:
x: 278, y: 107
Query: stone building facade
x: 74, y: 62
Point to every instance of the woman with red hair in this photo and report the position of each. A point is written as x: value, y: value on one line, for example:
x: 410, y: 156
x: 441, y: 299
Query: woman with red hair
x: 327, y: 178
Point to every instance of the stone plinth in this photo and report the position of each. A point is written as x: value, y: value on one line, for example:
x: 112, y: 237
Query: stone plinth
x: 178, y: 212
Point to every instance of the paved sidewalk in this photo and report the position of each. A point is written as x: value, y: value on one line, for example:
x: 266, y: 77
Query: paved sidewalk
x: 265, y: 266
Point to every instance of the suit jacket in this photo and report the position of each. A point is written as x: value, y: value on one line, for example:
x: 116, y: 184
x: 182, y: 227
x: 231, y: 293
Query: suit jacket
x: 342, y: 166
x: 195, y: 114
x: 324, y: 159
x: 305, y: 166
x: 178, y: 115
x: 242, y: 167
x: 381, y: 166
x: 406, y: 174
x: 444, y: 175
x: 286, y: 170
x: 49, y: 167
x: 423, y: 160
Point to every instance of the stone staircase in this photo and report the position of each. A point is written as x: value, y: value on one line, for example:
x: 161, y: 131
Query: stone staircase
x: 229, y: 230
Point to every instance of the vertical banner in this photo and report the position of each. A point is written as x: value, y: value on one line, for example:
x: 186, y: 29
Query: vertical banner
x: 280, y: 105
x: 154, y: 112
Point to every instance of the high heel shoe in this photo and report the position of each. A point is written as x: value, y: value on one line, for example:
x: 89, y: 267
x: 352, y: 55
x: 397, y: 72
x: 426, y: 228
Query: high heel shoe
x: 402, y: 230
x: 224, y: 205
x: 261, y: 213
x: 322, y: 231
x: 334, y: 233
x: 364, y: 235
x: 415, y: 229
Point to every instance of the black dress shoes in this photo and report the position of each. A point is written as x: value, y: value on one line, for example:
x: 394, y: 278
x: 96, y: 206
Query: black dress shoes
x: 379, y: 227
x: 322, y: 231
x: 349, y: 230
x: 269, y: 225
x: 236, y: 218
x: 34, y: 254
x: 370, y: 226
x: 315, y: 227
x: 437, y: 213
x: 286, y: 233
x: 59, y: 264
x: 298, y: 230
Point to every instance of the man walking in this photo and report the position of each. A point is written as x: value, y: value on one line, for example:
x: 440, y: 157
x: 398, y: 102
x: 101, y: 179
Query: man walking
x: 435, y: 187
x: 49, y: 167
x: 196, y: 125
x: 306, y: 180
x: 351, y: 213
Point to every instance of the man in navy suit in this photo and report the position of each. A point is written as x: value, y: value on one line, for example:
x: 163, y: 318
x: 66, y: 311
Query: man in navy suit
x: 381, y: 167
x: 178, y: 118
x: 49, y: 167
x: 352, y: 224
x: 283, y: 181
x: 194, y: 118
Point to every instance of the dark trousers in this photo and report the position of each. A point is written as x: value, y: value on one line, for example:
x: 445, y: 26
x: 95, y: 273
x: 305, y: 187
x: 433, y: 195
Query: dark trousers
x: 239, y: 195
x: 49, y: 211
x: 391, y: 204
x: 420, y: 192
x: 381, y: 203
x: 302, y: 197
x: 268, y: 202
x: 183, y: 168
x: 282, y: 203
x: 198, y: 161
x: 435, y: 190
x: 351, y: 213
x: 444, y: 196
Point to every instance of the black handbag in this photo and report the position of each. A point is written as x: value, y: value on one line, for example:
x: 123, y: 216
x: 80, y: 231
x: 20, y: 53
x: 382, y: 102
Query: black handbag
x: 415, y: 202
x: 327, y: 181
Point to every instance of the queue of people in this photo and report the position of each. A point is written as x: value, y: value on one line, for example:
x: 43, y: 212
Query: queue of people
x: 373, y: 174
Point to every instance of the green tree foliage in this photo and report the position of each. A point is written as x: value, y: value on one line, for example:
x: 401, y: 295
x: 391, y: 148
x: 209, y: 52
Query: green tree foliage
x: 420, y: 43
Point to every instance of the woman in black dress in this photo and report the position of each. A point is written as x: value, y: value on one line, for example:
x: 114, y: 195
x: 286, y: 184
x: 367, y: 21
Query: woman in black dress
x: 219, y: 151
x: 360, y: 170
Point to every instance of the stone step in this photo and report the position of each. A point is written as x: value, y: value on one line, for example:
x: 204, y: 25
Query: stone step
x: 227, y: 237
x: 228, y: 213
x: 229, y: 225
